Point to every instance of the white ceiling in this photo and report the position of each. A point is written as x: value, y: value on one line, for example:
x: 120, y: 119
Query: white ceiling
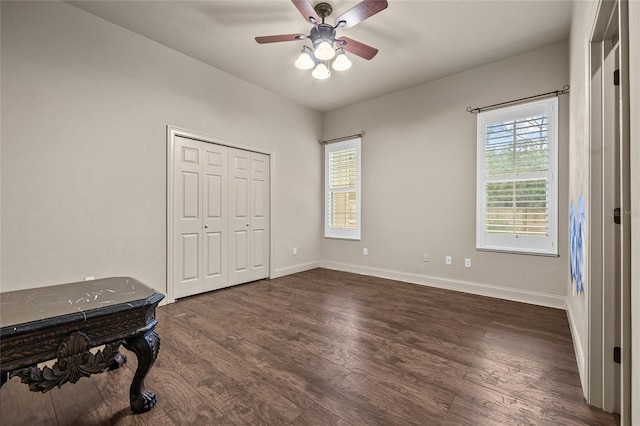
x: 418, y: 40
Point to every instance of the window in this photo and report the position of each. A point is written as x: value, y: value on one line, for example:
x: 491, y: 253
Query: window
x: 342, y: 190
x: 517, y: 203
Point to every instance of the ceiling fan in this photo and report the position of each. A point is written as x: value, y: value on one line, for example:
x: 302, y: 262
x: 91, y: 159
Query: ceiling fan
x: 323, y: 36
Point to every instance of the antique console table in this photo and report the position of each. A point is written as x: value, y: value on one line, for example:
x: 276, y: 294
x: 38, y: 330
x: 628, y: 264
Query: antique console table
x: 65, y: 321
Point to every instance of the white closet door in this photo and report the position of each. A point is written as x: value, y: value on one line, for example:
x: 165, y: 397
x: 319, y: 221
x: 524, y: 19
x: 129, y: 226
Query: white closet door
x: 221, y: 216
x: 187, y: 265
x: 239, y: 216
x: 214, y: 216
x: 249, y: 216
x: 259, y: 224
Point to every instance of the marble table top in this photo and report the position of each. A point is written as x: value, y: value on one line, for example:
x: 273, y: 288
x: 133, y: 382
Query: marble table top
x: 30, y: 308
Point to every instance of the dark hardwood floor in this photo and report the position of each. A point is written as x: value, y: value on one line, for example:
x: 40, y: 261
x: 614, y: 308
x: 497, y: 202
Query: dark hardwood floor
x: 330, y: 348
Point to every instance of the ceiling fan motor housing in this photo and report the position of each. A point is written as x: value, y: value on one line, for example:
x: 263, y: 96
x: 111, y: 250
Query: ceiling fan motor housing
x: 323, y: 32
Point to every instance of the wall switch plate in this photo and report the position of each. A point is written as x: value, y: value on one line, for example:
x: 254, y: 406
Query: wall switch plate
x: 295, y: 250
x: 426, y: 257
x: 365, y: 252
x: 467, y: 263
x: 448, y: 260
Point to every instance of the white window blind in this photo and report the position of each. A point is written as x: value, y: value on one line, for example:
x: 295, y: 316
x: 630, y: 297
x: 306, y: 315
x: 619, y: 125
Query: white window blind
x: 517, y: 187
x: 342, y: 189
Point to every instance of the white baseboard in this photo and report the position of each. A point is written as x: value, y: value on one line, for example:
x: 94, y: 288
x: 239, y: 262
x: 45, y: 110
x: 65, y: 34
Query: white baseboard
x: 578, y: 349
x: 294, y: 269
x: 517, y: 295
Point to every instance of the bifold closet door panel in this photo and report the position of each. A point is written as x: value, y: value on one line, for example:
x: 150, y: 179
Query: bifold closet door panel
x: 249, y: 216
x: 200, y: 217
x: 215, y: 185
x: 239, y: 216
x: 187, y: 243
x: 259, y: 224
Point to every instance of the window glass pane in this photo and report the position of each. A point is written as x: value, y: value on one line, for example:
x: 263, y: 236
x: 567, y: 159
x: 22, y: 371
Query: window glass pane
x: 342, y: 169
x: 343, y: 210
x: 517, y: 207
x: 517, y: 146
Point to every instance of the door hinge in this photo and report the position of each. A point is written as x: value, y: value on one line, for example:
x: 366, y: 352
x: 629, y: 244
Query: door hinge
x: 616, y: 78
x: 616, y: 216
x: 616, y: 355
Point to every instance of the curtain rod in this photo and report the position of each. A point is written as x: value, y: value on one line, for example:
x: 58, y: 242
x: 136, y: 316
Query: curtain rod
x: 565, y: 90
x: 343, y: 138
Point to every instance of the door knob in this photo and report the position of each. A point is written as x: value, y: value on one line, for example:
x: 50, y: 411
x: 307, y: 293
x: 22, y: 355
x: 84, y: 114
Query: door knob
x: 247, y: 224
x: 206, y: 227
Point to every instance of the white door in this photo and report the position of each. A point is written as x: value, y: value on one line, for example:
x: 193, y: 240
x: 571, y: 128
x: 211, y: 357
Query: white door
x: 187, y: 215
x: 239, y: 220
x: 200, y: 209
x: 248, y: 216
x: 259, y: 224
x: 214, y: 215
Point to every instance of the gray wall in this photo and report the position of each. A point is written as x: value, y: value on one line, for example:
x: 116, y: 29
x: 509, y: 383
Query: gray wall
x: 85, y: 105
x: 419, y: 182
x: 577, y: 304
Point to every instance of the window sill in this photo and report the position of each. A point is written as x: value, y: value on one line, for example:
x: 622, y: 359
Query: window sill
x: 342, y: 238
x: 508, y: 251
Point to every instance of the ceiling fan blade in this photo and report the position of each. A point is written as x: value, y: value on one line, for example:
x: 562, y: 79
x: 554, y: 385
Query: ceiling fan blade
x: 279, y: 38
x: 360, y: 12
x: 357, y: 48
x: 307, y: 11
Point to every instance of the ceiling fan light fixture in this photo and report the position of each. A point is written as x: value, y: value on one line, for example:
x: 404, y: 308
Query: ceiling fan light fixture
x: 325, y: 45
x: 324, y: 51
x: 304, y: 61
x: 342, y: 62
x: 321, y: 72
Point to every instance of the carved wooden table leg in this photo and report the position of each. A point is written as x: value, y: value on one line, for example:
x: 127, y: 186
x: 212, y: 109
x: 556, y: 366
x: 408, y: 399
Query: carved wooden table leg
x: 146, y: 349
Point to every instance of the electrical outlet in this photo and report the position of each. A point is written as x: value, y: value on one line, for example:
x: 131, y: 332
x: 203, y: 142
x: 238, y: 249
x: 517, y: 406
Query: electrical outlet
x: 89, y: 278
x: 426, y: 257
x: 448, y: 260
x: 467, y: 263
x: 365, y: 252
x: 295, y: 250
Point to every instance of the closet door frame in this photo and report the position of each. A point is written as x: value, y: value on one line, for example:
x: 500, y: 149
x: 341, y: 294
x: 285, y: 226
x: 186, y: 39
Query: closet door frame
x: 172, y: 133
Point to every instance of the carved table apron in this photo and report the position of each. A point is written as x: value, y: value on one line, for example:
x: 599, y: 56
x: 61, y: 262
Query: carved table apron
x: 65, y: 321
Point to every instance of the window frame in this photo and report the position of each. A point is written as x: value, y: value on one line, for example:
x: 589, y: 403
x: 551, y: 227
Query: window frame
x: 342, y: 233
x: 514, y: 243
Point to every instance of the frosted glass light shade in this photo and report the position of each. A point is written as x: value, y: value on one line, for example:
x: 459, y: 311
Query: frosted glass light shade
x: 324, y: 51
x: 321, y: 72
x: 341, y: 62
x: 304, y: 61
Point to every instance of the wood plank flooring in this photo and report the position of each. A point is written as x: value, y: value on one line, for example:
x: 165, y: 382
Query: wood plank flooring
x: 330, y: 348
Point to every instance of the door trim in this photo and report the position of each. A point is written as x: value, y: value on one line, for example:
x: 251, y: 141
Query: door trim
x: 172, y: 133
x: 610, y: 17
